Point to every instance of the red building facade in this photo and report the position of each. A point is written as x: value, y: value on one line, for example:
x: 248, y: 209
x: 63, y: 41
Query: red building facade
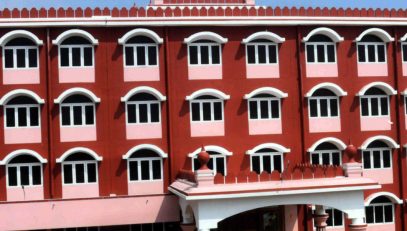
x: 105, y: 110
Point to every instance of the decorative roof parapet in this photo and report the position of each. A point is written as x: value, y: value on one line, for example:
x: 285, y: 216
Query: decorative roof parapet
x: 207, y: 10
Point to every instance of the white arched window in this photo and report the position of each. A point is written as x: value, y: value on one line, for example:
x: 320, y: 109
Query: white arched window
x: 79, y: 168
x: 371, y: 49
x: 375, y: 102
x: 323, y: 103
x: 20, y: 53
x: 380, y: 211
x: 377, y: 155
x: 326, y: 153
x: 145, y: 165
x: 143, y: 108
x: 24, y: 170
x: 217, y: 161
x: 77, y: 110
x: 140, y: 51
x: 320, y: 49
x: 22, y: 111
x: 266, y: 160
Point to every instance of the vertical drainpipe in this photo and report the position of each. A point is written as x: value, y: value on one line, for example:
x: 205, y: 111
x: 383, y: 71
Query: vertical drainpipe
x: 49, y: 114
x: 167, y: 89
x: 399, y: 119
x: 300, y: 97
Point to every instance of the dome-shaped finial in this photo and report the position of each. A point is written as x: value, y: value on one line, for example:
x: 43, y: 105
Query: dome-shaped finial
x: 351, y: 151
x: 203, y: 158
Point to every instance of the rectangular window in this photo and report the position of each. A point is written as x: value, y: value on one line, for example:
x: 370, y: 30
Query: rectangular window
x: 335, y: 218
x: 264, y: 108
x: 267, y: 161
x: 140, y: 55
x: 377, y: 105
x: 143, y: 112
x: 323, y: 106
x: 77, y: 114
x: 320, y: 52
x: 217, y: 163
x: 207, y: 110
x: 22, y: 116
x: 261, y: 53
x: 404, y: 51
x: 79, y: 172
x: 377, y: 158
x: 24, y: 174
x: 204, y: 54
x: 76, y: 55
x: 145, y: 169
x: 371, y: 52
x: 379, y: 213
x: 20, y: 57
x: 326, y: 157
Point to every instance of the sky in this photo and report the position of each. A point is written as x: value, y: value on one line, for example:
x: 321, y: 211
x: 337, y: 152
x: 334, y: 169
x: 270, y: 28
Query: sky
x: 274, y: 3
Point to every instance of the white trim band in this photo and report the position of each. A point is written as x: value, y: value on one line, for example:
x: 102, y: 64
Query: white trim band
x: 79, y: 149
x: 143, y: 89
x: 140, y: 32
x: 20, y: 92
x: 150, y: 147
x: 266, y: 90
x: 19, y: 152
x: 264, y: 35
x: 19, y: 33
x: 205, y: 35
x: 75, y: 32
x: 277, y: 147
x: 74, y: 91
x: 333, y: 35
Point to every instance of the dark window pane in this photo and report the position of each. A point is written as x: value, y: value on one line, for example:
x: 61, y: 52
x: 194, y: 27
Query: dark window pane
x: 34, y: 116
x: 313, y: 108
x: 361, y: 53
x: 25, y: 175
x: 36, y: 175
x: 253, y: 109
x: 261, y: 52
x: 9, y: 62
x: 275, y: 111
x: 336, y: 159
x: 378, y: 211
x: 195, y: 112
x: 92, y: 173
x: 156, y: 169
x: 204, y: 55
x: 369, y: 215
x: 366, y: 160
x: 143, y: 113
x: 404, y: 53
x: 68, y: 174
x: 315, y: 159
x: 64, y: 56
x: 217, y: 107
x: 321, y: 53
x: 374, y: 106
x: 141, y: 56
x: 215, y: 55
x: 80, y: 173
x: 267, y: 163
x: 325, y: 159
x: 264, y: 109
x: 77, y: 115
x: 129, y: 55
x: 376, y: 159
x: 206, y: 111
x: 381, y: 53
x: 310, y: 54
x: 10, y: 117
x: 193, y: 55
x: 388, y: 213
x: 66, y: 118
x: 145, y: 170
x: 88, y: 56
x: 256, y: 164
x: 220, y: 166
x: 384, y: 106
x: 133, y: 170
x: 371, y: 53
x: 331, y: 53
x: 277, y: 163
x: 32, y: 57
x: 324, y: 107
x: 155, y: 112
x: 334, y: 107
x: 152, y: 55
x: 365, y: 106
x: 22, y: 117
x: 12, y: 176
x: 20, y: 58
x: 76, y: 56
x: 272, y: 54
x: 251, y: 56
x: 330, y: 218
x: 338, y: 217
x: 131, y: 113
x: 89, y: 115
x: 197, y: 165
x: 386, y: 159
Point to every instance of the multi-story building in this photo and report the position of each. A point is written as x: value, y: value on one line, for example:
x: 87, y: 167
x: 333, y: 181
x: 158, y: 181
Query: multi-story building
x: 105, y: 113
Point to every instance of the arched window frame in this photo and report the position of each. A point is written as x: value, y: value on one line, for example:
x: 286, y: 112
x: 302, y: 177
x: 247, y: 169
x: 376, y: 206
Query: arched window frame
x: 363, y: 47
x: 270, y: 47
x: 16, y: 109
x: 138, y: 161
x: 19, y: 166
x: 381, y: 100
x: 327, y: 47
x: 70, y: 47
x: 262, y: 158
x: 329, y: 100
x: 218, y: 153
x: 193, y: 100
x: 195, y: 41
x: 31, y: 61
x: 273, y: 102
x: 372, y: 209
x: 73, y: 165
x: 83, y: 106
x: 369, y: 152
x: 321, y: 154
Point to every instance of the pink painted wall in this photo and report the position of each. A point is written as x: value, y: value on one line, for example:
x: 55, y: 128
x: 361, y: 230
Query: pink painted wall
x: 21, y: 76
x: 22, y: 135
x: 260, y: 127
x: 324, y: 124
x: 85, y: 133
x: 205, y: 72
x: 146, y: 187
x: 76, y: 74
x: 92, y: 212
x: 143, y: 131
x: 211, y: 128
x: 404, y: 69
x: 291, y: 218
x: 141, y: 74
x: 322, y: 70
x: 80, y: 191
x: 26, y: 194
x: 381, y: 227
x: 372, y: 69
x: 383, y: 176
x: 260, y: 71
x: 375, y: 123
